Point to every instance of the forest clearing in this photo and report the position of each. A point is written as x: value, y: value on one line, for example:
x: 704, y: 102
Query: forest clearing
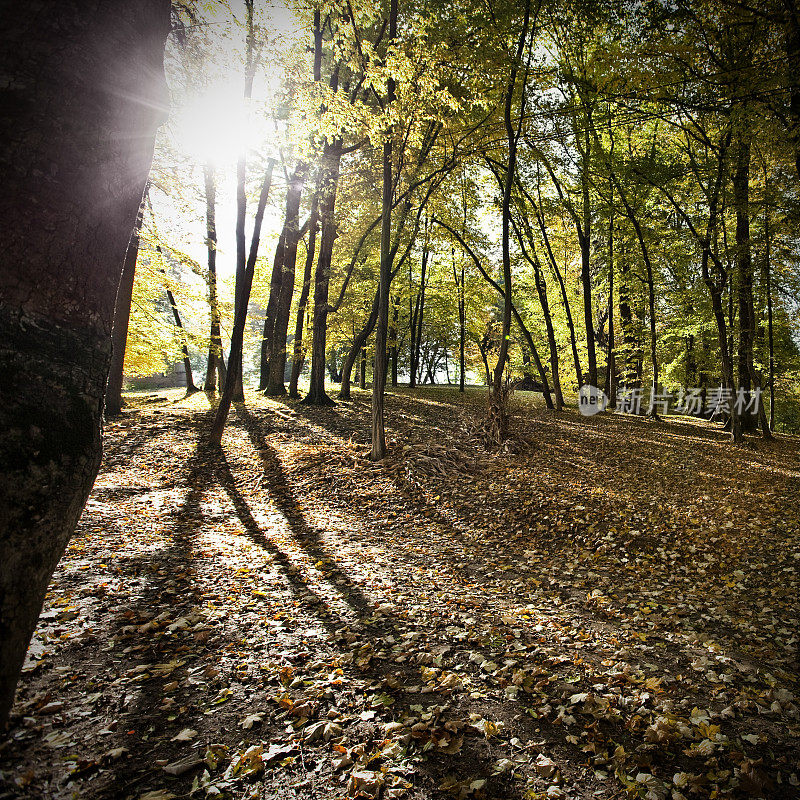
x: 400, y: 399
x: 609, y: 611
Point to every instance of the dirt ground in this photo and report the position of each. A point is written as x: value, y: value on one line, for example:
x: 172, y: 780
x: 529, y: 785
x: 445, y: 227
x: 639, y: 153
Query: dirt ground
x: 607, y: 609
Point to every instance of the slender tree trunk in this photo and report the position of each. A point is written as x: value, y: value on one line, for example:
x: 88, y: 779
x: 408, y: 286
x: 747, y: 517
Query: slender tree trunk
x: 611, y: 362
x: 244, y: 282
x: 744, y: 269
x: 484, y: 357
x: 564, y: 299
x: 629, y: 340
x: 77, y: 74
x: 358, y: 345
x: 362, y: 375
x: 328, y: 181
x: 393, y: 340
x: 498, y: 411
x: 302, y: 305
x: 651, y: 305
x: 267, y: 335
x: 770, y: 339
x: 586, y: 275
x: 187, y: 364
x: 541, y: 289
x: 277, y: 364
x: 381, y: 330
x: 122, y: 315
x: 462, y: 325
x: 327, y: 203
x: 216, y: 364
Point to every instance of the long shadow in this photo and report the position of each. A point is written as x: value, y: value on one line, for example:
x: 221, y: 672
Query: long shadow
x: 337, y: 424
x: 301, y: 589
x: 309, y: 538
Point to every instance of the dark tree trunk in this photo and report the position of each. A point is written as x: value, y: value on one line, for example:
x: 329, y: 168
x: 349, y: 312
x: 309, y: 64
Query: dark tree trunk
x: 744, y: 269
x: 277, y: 361
x: 629, y: 339
x: 532, y: 257
x: 215, y: 371
x: 564, y: 298
x: 272, y: 303
x: 541, y: 288
x: 244, y: 282
x: 381, y: 331
x: 298, y: 356
x: 462, y: 323
x: 362, y: 375
x: 328, y: 182
x: 418, y: 313
x: 76, y: 75
x: 651, y: 301
x: 187, y: 364
x: 331, y: 159
x: 393, y: 339
x: 586, y: 275
x: 770, y: 338
x: 122, y: 315
x: 358, y: 344
x: 611, y: 360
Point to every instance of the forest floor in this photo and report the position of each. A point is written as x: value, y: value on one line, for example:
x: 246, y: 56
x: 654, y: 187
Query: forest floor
x: 608, y: 610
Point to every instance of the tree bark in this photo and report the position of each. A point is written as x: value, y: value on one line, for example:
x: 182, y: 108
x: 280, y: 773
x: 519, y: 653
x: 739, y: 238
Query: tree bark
x: 122, y: 315
x: 381, y: 331
x: 585, y: 243
x: 611, y: 359
x: 298, y: 355
x: 770, y: 337
x: 187, y: 364
x: 331, y: 159
x: 744, y: 270
x: 512, y: 138
x: 267, y: 335
x: 83, y: 95
x: 215, y: 370
x: 564, y: 299
x: 244, y: 283
x: 358, y: 344
x: 277, y: 361
x: 393, y: 339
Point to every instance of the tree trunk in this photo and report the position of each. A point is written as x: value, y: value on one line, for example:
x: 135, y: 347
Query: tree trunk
x: 586, y: 275
x: 744, y: 270
x: 541, y: 288
x: 362, y: 375
x: 244, y: 283
x: 358, y: 344
x: 215, y: 371
x: 462, y: 326
x: 331, y: 159
x: 770, y: 339
x: 122, y: 315
x: 298, y: 356
x: 393, y: 339
x: 381, y: 331
x: 277, y: 362
x: 498, y: 411
x: 77, y: 74
x: 611, y: 361
x: 272, y: 303
x: 418, y: 311
x: 564, y: 299
x: 187, y: 364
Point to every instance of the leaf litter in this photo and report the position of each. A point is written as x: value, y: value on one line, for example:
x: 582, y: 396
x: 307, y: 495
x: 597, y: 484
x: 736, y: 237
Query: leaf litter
x: 605, y: 608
